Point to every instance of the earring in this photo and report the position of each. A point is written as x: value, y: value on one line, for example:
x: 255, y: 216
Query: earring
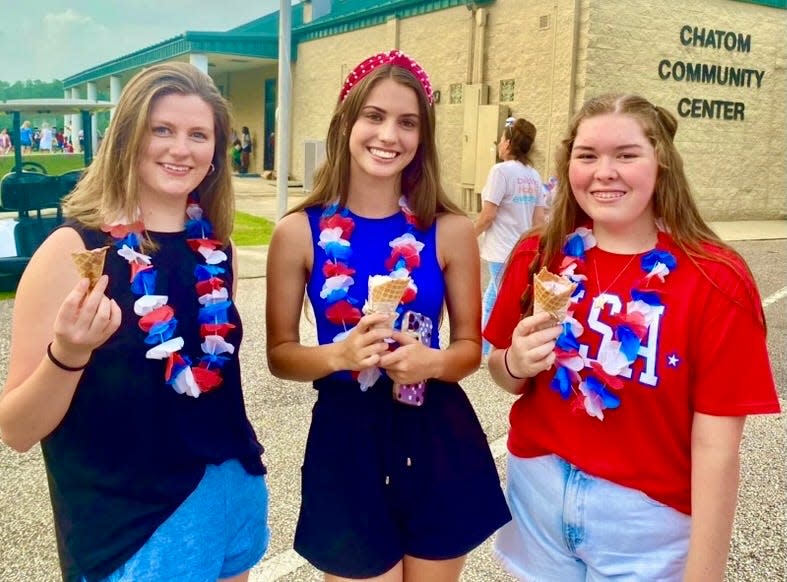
x: 211, y: 170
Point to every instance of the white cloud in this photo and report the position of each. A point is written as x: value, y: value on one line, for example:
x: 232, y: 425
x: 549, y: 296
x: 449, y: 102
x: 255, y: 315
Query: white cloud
x: 49, y: 41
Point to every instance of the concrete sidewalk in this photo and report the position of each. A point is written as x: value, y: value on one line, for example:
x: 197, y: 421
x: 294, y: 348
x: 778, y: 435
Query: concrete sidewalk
x: 259, y: 197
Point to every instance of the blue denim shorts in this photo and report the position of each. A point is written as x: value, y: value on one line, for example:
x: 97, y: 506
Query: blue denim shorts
x: 219, y: 531
x: 571, y: 526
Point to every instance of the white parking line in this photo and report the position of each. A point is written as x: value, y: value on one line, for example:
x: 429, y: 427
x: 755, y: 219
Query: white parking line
x: 280, y: 565
x: 773, y: 298
x: 276, y: 567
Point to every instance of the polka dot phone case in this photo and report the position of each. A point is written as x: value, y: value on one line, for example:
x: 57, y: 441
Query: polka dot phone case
x: 420, y: 327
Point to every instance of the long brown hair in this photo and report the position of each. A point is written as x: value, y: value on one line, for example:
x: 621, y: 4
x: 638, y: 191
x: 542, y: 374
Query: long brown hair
x: 420, y: 179
x: 673, y: 202
x: 109, y: 188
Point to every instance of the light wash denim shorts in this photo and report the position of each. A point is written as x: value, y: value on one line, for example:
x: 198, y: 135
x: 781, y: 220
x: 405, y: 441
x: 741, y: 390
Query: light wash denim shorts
x: 219, y: 531
x: 570, y: 526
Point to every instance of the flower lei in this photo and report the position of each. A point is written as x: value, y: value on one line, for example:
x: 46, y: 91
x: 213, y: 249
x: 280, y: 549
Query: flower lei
x: 596, y: 391
x: 157, y: 318
x: 336, y: 229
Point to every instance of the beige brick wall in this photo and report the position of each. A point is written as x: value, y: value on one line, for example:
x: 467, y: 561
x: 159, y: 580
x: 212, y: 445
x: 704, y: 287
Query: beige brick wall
x: 440, y: 42
x: 533, y: 43
x: 737, y: 168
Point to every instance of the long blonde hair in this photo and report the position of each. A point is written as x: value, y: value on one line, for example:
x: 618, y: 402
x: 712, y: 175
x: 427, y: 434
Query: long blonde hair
x: 109, y: 187
x: 673, y: 202
x: 420, y: 179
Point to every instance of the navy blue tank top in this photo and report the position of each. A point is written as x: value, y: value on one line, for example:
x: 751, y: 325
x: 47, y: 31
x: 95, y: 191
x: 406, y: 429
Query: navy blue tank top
x: 370, y: 250
x: 130, y: 449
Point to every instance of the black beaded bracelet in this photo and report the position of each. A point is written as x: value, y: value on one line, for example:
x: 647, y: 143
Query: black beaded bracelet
x: 510, y: 373
x: 60, y: 364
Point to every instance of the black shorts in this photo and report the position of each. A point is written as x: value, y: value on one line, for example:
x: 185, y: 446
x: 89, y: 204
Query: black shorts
x: 382, y: 480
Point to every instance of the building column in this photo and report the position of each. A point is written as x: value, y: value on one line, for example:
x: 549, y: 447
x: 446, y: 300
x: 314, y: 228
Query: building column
x: 200, y: 61
x: 66, y: 118
x: 114, y: 93
x: 76, y: 122
x: 92, y: 95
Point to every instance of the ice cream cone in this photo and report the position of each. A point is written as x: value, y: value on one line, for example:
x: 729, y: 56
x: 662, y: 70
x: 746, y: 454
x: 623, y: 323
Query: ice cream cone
x: 385, y: 293
x: 90, y: 264
x: 388, y: 293
x: 552, y: 293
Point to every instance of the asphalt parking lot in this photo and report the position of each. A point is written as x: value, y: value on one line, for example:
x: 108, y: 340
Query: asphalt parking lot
x: 280, y: 412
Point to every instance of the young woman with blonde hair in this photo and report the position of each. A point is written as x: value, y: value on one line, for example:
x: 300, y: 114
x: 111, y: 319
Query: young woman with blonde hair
x: 133, y: 387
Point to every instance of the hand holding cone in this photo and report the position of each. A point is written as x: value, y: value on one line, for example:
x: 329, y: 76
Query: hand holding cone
x: 552, y: 293
x: 90, y: 264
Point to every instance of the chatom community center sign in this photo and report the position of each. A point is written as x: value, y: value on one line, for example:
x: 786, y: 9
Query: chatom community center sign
x: 712, y: 73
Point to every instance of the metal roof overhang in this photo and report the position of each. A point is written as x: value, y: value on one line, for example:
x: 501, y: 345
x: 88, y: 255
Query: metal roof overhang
x: 53, y: 106
x: 226, y: 52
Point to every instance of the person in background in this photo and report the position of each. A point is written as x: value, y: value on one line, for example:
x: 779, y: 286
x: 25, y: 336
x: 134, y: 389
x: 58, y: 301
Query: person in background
x: 236, y: 155
x: 45, y: 143
x: 6, y: 147
x: 26, y: 137
x: 390, y: 490
x: 245, y: 150
x: 514, y: 200
x: 59, y: 139
x: 623, y: 449
x: 133, y: 386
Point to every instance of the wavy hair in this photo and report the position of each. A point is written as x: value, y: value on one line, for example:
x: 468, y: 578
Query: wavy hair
x: 420, y: 180
x: 109, y: 188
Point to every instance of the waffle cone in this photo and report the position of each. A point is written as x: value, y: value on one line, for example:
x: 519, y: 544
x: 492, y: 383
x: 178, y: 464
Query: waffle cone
x: 552, y: 293
x: 90, y: 264
x: 385, y: 297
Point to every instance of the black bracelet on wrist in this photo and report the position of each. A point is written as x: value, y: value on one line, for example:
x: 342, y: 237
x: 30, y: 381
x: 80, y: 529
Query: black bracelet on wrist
x: 60, y: 364
x: 510, y: 373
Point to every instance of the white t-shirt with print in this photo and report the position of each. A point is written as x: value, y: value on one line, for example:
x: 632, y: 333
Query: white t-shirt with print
x: 516, y: 190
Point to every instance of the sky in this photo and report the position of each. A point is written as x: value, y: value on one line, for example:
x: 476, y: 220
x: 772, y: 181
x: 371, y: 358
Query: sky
x: 54, y: 39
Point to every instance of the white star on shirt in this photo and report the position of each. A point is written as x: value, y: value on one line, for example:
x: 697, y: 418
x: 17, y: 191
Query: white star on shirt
x: 673, y: 360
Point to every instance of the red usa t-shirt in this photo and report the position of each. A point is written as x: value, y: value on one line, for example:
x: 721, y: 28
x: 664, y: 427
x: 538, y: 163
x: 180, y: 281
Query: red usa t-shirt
x: 705, y: 352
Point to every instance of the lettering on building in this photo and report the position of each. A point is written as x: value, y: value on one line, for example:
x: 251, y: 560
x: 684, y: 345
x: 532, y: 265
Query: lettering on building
x: 712, y: 73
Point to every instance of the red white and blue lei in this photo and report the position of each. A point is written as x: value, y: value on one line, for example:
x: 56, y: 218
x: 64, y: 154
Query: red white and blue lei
x: 157, y: 318
x: 336, y: 229
x: 596, y: 390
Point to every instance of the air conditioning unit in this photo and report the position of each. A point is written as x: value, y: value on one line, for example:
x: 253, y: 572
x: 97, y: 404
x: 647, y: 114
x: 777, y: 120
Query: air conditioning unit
x: 313, y: 156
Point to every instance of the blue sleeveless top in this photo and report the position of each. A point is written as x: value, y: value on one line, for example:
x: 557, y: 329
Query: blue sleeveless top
x: 370, y: 250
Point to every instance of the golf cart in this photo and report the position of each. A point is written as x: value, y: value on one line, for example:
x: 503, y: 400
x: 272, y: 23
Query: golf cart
x: 32, y: 194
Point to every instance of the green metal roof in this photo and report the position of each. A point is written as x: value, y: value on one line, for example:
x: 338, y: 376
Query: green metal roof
x: 349, y: 15
x: 772, y: 3
x: 251, y: 45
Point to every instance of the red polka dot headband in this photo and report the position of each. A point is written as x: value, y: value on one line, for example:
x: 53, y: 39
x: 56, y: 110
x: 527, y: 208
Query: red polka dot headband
x: 395, y: 58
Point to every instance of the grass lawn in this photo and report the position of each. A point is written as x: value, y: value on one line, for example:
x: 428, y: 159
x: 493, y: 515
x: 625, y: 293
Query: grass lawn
x: 251, y: 230
x: 55, y: 164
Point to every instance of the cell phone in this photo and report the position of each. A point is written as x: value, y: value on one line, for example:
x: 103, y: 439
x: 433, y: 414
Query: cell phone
x: 419, y: 326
